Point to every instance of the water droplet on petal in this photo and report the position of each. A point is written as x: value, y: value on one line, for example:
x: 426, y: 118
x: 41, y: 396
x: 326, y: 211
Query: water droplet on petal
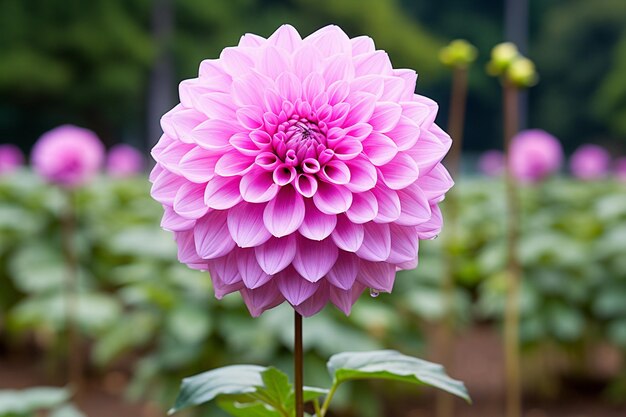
x: 374, y: 293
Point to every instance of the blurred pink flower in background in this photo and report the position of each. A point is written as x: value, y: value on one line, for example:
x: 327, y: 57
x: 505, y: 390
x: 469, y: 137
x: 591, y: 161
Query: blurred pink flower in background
x: 620, y: 168
x: 590, y: 162
x: 535, y: 154
x: 491, y: 163
x: 124, y: 161
x: 301, y: 170
x: 68, y: 155
x: 11, y: 157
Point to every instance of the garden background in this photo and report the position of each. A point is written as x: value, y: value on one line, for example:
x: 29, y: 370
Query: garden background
x: 113, y: 66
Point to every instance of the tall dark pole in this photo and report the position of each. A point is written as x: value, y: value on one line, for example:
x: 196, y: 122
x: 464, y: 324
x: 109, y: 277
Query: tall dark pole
x: 516, y: 31
x: 160, y: 94
x: 298, y: 364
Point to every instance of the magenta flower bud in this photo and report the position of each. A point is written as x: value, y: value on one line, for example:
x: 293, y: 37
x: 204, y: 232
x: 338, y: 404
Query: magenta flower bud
x: 534, y: 155
x: 620, y: 168
x: 124, y: 161
x: 11, y: 157
x: 69, y: 156
x: 491, y: 163
x: 301, y: 170
x: 590, y: 162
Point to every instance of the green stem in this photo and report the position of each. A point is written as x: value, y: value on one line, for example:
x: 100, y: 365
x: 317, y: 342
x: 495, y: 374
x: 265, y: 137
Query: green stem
x: 328, y: 398
x: 512, y: 313
x: 316, y: 407
x: 298, y: 364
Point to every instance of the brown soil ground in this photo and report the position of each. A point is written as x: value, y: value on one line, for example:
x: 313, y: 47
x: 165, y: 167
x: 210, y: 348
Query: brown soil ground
x: 477, y: 361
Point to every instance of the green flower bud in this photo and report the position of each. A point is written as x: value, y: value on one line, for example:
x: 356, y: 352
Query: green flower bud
x: 502, y: 55
x: 521, y: 72
x: 458, y: 54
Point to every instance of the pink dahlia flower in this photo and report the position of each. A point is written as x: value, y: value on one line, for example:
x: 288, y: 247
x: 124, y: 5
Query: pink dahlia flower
x: 491, y: 163
x: 620, y: 168
x: 590, y: 162
x: 124, y: 161
x: 534, y: 155
x: 303, y: 170
x: 11, y: 157
x: 68, y: 155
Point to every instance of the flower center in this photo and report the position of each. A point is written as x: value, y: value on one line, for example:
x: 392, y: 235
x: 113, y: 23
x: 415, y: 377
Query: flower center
x: 299, y: 140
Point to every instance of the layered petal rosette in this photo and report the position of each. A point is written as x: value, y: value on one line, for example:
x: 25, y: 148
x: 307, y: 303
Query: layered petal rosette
x: 535, y: 154
x: 124, y: 161
x: 301, y: 170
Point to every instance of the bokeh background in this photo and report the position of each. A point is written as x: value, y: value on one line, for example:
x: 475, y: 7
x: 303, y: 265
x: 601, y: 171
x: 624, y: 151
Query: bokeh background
x: 113, y: 66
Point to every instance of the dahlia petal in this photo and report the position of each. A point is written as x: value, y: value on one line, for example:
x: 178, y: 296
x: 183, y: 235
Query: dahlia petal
x: 248, y: 90
x: 169, y: 157
x: 405, y: 133
x: 198, y: 165
x: 379, y: 148
x: 376, y: 245
x: 293, y: 287
x: 258, y: 186
x: 373, y: 84
x: 314, y: 258
x: 245, y: 146
x: 217, y: 106
x: 428, y: 151
x: 175, y: 223
x: 376, y: 62
x: 362, y: 109
x: 394, y: 89
x: 344, y: 272
x: 400, y: 172
x: 189, y: 201
x: 211, y: 235
x: 430, y: 115
x: 404, y: 244
x: 389, y: 208
x: 283, y: 174
x: 289, y: 86
x: 363, y: 175
x: 378, y: 276
x: 436, y: 183
x: 414, y: 206
x: 226, y: 268
x: 222, y: 193
x: 260, y: 299
x: 211, y: 68
x: 251, y: 273
x: 338, y: 91
x: 233, y: 163
x: 276, y: 254
x: 286, y: 37
x: 245, y: 224
x: 213, y: 134
x: 336, y: 172
x: 273, y: 62
x: 165, y: 187
x: 251, y: 40
x: 306, y: 185
x: 330, y: 40
x: 235, y: 62
x: 250, y: 117
x: 309, y: 61
x: 359, y: 131
x: 155, y: 172
x: 419, y: 112
x: 338, y: 68
x: 347, y: 236
x: 178, y: 122
x: 316, y: 225
x: 187, y: 252
x: 362, y: 45
x: 431, y: 228
x: 273, y: 101
x: 386, y: 116
x: 332, y: 199
x: 284, y: 214
x: 221, y: 289
x: 191, y: 90
x: 348, y: 148
x: 345, y: 299
x: 410, y: 80
x: 316, y: 302
x: 364, y: 207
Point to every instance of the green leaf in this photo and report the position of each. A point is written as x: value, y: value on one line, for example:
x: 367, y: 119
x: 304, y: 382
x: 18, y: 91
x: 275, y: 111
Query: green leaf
x: 312, y: 393
x: 204, y: 387
x: 276, y: 389
x: 32, y: 399
x: 247, y: 409
x: 392, y: 365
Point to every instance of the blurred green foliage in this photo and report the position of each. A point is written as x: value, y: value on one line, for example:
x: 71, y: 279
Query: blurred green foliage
x: 137, y: 302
